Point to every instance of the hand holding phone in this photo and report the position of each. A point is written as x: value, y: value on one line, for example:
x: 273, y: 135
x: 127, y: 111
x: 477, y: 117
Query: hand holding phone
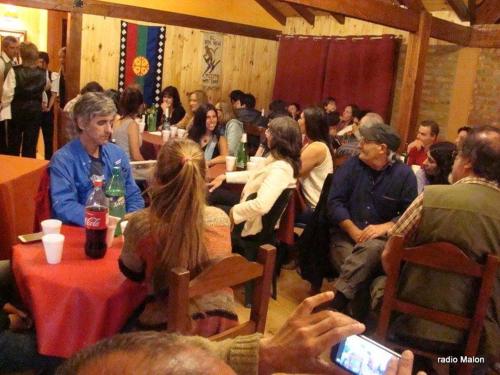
x: 362, y: 356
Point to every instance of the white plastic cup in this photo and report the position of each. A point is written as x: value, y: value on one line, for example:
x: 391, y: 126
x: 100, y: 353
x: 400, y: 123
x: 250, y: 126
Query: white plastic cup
x: 51, y: 226
x: 181, y: 133
x: 173, y: 131
x: 230, y: 163
x: 53, y: 244
x: 165, y: 135
x: 110, y: 234
x: 251, y: 165
x: 123, y: 225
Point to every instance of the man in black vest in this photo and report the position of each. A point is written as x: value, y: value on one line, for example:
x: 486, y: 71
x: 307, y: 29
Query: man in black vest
x: 48, y: 105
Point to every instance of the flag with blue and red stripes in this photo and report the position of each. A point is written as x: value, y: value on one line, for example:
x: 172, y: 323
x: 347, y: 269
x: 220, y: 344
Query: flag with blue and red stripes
x: 141, y: 59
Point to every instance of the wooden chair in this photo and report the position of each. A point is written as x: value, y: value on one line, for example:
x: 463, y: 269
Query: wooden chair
x: 248, y: 246
x: 254, y: 135
x: 227, y: 272
x: 446, y: 257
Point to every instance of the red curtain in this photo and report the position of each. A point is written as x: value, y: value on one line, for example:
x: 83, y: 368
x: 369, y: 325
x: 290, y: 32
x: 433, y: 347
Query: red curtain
x: 300, y: 72
x: 358, y: 70
x: 361, y: 70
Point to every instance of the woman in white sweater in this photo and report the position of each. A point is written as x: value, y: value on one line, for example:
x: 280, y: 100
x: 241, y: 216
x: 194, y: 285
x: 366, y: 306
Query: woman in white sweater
x: 279, y: 172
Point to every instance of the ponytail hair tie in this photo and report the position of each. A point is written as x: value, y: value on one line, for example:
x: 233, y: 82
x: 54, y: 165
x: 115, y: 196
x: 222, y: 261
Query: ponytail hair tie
x: 186, y: 159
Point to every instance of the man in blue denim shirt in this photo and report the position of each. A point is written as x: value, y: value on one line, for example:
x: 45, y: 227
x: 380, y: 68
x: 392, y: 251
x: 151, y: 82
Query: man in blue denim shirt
x: 72, y: 167
x: 367, y: 196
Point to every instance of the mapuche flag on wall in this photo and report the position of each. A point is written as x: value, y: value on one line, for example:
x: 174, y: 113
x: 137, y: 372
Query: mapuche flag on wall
x: 141, y: 59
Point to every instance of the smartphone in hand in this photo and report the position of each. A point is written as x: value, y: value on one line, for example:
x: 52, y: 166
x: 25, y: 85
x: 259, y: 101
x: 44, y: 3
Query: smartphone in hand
x: 362, y: 356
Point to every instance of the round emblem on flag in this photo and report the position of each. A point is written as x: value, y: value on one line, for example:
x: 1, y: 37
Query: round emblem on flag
x: 140, y: 66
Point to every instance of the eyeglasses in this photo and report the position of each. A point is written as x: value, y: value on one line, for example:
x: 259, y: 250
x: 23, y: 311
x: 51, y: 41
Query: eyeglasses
x: 364, y: 140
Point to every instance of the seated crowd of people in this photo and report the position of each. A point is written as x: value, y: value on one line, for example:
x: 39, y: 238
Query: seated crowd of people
x: 444, y: 191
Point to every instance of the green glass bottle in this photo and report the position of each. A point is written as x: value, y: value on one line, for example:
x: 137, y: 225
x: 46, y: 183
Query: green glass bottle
x: 151, y: 119
x: 242, y: 154
x: 115, y: 191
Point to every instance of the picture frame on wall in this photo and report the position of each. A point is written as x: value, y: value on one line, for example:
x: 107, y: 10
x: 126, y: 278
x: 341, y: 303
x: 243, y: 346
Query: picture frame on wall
x: 21, y: 35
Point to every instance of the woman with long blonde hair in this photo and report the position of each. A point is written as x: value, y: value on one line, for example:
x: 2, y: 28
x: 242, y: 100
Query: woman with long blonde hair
x: 177, y: 230
x: 197, y: 98
x: 233, y: 128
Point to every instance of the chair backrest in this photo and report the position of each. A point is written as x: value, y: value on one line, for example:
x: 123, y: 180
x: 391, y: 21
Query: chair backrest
x: 254, y: 136
x: 270, y: 219
x: 446, y: 257
x: 254, y: 130
x: 43, y: 203
x: 227, y: 272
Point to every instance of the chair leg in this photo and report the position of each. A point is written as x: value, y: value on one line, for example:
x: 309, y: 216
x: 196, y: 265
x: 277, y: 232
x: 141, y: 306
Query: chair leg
x: 248, y: 294
x: 274, y: 292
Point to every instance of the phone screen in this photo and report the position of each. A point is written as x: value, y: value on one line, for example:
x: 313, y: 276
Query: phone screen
x: 361, y: 355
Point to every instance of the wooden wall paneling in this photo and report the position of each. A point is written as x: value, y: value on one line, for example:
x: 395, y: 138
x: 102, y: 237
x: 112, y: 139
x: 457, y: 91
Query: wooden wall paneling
x: 413, y: 76
x: 100, y: 55
x: 248, y: 63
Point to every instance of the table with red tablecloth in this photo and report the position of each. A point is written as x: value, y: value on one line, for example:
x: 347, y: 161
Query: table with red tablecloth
x: 151, y: 144
x: 19, y: 180
x: 79, y: 301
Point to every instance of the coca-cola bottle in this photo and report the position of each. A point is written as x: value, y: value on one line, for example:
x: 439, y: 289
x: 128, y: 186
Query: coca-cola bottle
x: 96, y: 221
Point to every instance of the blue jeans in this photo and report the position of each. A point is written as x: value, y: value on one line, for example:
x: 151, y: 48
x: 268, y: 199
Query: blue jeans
x: 18, y: 352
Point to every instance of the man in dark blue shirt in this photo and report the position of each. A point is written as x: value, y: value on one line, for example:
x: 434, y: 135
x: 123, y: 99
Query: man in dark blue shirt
x: 367, y: 196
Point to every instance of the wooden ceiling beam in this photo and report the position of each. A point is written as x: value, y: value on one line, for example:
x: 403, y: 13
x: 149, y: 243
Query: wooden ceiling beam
x: 472, y: 11
x: 460, y: 9
x: 488, y: 12
x: 304, y: 13
x: 338, y: 17
x: 367, y: 10
x: 273, y: 12
x: 382, y: 13
x: 102, y: 8
x: 450, y: 32
x: 485, y: 36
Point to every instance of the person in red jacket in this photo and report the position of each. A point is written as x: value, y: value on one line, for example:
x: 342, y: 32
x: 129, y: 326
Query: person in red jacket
x: 427, y: 134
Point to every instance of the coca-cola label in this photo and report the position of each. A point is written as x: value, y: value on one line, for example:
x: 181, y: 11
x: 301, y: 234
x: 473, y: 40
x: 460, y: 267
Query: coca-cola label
x: 96, y: 219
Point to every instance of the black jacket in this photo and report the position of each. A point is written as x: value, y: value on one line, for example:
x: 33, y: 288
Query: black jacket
x: 314, y: 244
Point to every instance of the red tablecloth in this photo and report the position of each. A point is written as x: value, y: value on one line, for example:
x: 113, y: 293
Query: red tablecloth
x: 151, y: 144
x: 77, y: 302
x: 19, y: 180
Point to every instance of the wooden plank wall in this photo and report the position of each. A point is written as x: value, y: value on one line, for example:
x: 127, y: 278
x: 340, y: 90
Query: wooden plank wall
x: 249, y: 64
